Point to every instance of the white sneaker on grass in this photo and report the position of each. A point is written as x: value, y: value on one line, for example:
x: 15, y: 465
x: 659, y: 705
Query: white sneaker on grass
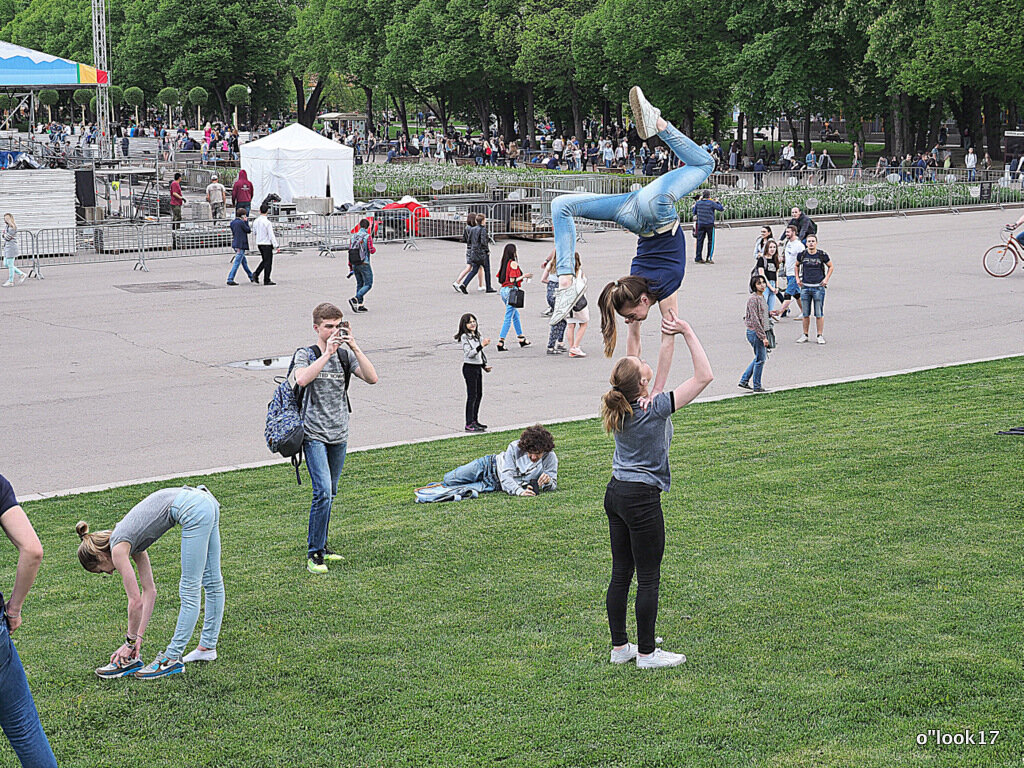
x: 198, y: 655
x: 566, y: 298
x: 622, y: 655
x: 803, y: 339
x: 821, y: 339
x: 660, y: 658
x: 645, y: 114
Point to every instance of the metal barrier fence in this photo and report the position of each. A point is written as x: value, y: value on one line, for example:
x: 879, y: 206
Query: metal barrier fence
x: 526, y: 218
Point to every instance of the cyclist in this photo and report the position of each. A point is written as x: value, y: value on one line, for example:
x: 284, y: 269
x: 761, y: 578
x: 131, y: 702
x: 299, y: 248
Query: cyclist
x: 1017, y: 223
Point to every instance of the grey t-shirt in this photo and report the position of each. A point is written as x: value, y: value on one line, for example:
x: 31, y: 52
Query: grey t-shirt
x: 147, y: 521
x: 641, y: 446
x: 325, y: 413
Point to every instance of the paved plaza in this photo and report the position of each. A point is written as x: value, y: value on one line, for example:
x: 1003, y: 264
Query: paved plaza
x: 105, y: 381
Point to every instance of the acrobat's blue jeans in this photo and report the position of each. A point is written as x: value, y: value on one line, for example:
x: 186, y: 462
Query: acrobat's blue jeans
x: 641, y: 212
x: 511, y: 315
x: 18, y: 715
x: 480, y: 475
x: 198, y: 514
x: 239, y: 261
x: 324, y: 462
x: 756, y: 366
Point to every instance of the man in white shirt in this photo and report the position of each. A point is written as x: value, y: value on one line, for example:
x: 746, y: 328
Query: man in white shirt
x: 788, y: 153
x: 971, y: 161
x: 216, y: 195
x: 558, y: 147
x: 266, y: 241
x: 792, y: 248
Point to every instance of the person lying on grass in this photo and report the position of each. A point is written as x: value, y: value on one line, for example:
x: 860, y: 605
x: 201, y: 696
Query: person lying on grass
x: 527, y: 467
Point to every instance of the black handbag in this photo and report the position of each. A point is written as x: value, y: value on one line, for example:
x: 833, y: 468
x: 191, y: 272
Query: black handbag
x: 580, y: 304
x: 516, y: 296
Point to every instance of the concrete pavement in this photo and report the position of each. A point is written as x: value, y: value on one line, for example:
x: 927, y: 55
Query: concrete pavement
x: 102, y: 383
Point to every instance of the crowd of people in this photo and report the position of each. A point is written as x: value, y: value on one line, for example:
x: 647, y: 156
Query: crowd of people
x: 636, y: 410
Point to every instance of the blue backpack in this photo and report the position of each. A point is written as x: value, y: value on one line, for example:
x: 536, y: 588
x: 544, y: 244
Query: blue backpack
x: 285, y: 430
x: 442, y: 492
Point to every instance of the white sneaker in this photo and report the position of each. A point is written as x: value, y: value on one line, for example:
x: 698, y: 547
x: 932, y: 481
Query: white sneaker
x: 622, y: 655
x: 480, y: 288
x: 660, y: 658
x: 803, y: 339
x: 821, y: 339
x: 455, y: 285
x: 9, y: 283
x: 198, y: 655
x: 566, y: 298
x: 22, y: 278
x: 645, y: 115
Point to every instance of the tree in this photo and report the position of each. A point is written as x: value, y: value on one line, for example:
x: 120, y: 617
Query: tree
x: 135, y: 97
x: 116, y: 94
x: 168, y: 97
x: 48, y: 98
x: 237, y: 95
x: 82, y: 97
x: 197, y: 97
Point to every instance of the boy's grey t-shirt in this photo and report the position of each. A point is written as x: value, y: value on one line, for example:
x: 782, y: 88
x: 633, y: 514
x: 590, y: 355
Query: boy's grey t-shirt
x: 147, y: 521
x: 641, y: 446
x: 325, y: 413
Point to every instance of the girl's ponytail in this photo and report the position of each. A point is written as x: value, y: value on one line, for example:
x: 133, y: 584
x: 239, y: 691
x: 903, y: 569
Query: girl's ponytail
x: 624, y: 292
x: 626, y: 388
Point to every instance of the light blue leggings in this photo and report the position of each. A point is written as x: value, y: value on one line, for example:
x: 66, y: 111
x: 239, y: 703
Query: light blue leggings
x: 11, y: 269
x: 640, y: 212
x: 511, y: 315
x: 198, y: 514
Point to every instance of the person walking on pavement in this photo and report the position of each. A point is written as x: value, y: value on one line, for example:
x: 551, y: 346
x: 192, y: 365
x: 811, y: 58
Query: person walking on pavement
x: 361, y: 241
x: 813, y: 280
x: 240, y: 230
x: 216, y: 196
x: 266, y: 242
x: 9, y: 242
x: 704, y: 211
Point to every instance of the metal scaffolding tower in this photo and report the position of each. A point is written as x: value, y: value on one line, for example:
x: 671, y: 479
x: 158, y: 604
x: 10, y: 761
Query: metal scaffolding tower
x: 99, y: 60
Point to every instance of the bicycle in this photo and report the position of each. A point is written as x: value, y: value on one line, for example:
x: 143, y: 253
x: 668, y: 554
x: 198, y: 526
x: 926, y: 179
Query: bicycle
x: 1000, y: 260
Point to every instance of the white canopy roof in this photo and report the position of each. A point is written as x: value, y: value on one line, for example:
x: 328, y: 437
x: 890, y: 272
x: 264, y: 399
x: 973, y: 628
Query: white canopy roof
x: 297, y: 162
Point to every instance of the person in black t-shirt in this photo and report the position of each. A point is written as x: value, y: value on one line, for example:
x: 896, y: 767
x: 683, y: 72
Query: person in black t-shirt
x: 18, y: 715
x: 813, y: 271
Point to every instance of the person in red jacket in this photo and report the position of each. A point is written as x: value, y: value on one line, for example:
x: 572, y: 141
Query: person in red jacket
x: 242, y: 192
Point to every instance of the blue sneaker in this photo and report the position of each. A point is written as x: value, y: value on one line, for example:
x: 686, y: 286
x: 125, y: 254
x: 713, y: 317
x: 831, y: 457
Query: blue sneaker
x: 113, y: 671
x: 161, y: 667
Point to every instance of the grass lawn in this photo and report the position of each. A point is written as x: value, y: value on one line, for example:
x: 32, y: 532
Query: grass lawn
x: 843, y: 569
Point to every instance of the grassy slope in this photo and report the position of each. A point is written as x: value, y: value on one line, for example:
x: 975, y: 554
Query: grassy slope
x: 843, y: 570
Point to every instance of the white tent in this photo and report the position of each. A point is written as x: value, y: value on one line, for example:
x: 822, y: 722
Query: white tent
x: 297, y: 162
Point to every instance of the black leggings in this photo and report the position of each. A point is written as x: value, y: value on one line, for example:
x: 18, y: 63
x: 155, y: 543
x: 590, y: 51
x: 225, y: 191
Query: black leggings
x: 474, y: 375
x: 637, y: 528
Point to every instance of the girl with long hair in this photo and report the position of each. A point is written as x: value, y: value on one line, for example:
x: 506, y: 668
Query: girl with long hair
x: 556, y: 333
x: 641, y: 423
x: 756, y: 320
x: 9, y: 239
x: 474, y: 363
x: 649, y: 213
x: 767, y: 266
x: 511, y: 276
x: 470, y: 239
x: 198, y: 513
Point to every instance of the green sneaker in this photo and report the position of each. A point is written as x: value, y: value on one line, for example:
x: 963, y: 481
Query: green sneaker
x: 315, y: 563
x: 331, y: 556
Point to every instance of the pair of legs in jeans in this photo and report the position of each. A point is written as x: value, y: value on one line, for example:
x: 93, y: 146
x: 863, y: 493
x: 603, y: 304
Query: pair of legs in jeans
x: 324, y: 462
x: 756, y: 366
x: 18, y: 715
x: 511, y: 315
x: 637, y: 528
x: 480, y: 475
x: 198, y: 514
x: 240, y: 261
x: 12, y: 270
x: 642, y: 212
x: 364, y: 280
x: 812, y: 298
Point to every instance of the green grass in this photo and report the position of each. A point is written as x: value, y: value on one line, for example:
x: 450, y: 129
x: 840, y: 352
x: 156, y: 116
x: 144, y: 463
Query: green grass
x: 843, y: 569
